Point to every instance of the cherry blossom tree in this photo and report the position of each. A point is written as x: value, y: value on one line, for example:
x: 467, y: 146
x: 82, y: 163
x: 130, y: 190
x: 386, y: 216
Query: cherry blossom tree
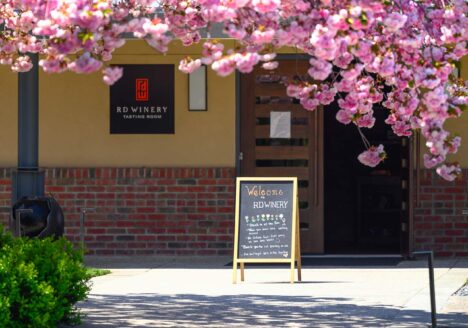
x: 398, y: 53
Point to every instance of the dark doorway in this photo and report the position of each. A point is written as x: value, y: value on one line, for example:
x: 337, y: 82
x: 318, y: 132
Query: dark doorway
x: 363, y: 206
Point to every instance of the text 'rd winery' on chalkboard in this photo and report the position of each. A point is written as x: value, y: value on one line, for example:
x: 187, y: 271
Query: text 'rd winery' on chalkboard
x: 267, y: 223
x: 265, y: 219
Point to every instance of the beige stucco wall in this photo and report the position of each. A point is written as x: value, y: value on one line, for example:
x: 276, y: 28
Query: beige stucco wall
x: 8, y: 117
x: 74, y: 120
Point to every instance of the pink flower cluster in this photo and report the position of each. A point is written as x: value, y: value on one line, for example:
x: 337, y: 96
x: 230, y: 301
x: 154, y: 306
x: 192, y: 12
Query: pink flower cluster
x: 75, y: 35
x: 373, y: 156
x: 449, y: 172
x: 396, y: 53
x: 112, y: 74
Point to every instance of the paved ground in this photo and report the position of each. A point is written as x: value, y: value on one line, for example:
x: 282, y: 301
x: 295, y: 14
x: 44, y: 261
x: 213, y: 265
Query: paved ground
x: 155, y: 292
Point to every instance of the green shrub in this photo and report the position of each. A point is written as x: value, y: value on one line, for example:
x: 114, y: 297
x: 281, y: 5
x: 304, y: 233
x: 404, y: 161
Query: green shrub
x: 93, y: 272
x: 40, y: 282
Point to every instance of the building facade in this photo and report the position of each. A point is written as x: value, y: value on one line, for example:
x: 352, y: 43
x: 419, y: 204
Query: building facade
x: 174, y: 193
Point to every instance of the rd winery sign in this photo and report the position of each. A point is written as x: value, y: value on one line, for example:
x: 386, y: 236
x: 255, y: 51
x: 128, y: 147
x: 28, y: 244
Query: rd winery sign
x: 142, y: 101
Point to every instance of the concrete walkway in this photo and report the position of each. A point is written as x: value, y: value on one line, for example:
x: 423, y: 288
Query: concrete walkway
x: 155, y: 292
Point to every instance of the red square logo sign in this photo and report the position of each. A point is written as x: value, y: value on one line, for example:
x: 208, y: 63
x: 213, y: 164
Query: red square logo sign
x: 142, y: 86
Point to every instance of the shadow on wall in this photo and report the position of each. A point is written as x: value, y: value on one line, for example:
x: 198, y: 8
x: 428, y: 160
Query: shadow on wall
x: 188, y: 310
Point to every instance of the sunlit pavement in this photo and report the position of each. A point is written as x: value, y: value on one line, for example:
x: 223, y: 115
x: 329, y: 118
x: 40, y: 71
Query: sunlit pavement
x: 198, y: 292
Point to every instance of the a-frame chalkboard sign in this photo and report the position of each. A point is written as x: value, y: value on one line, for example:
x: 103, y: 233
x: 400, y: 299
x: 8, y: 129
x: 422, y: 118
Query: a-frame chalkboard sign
x: 267, y: 223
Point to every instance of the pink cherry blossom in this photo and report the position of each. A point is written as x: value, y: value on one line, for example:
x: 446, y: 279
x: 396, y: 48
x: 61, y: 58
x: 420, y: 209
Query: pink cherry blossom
x: 263, y: 35
x: 245, y: 62
x: 365, y: 121
x: 189, y: 65
x: 395, y: 21
x: 401, y: 129
x: 53, y: 64
x: 270, y: 65
x: 264, y: 6
x: 293, y: 90
x: 224, y: 66
x: 352, y: 73
x: 399, y: 54
x: 449, y: 172
x: 22, y: 64
x: 85, y: 64
x: 45, y: 28
x: 373, y: 156
x: 212, y: 51
x: 310, y: 103
x: 112, y: 74
x: 387, y: 67
x: 326, y: 95
x: 431, y: 161
x: 343, y: 60
x: 320, y: 69
x: 323, y: 39
x: 454, y: 144
x: 344, y: 116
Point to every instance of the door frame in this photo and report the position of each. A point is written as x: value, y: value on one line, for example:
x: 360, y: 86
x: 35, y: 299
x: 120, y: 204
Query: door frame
x: 408, y: 245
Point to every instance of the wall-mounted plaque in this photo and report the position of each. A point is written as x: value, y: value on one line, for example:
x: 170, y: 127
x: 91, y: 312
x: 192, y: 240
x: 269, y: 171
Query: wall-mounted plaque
x: 142, y: 101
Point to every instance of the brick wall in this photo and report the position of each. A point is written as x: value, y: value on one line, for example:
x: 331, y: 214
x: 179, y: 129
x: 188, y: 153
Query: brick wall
x: 438, y: 221
x: 175, y: 211
x: 5, y: 195
x: 190, y: 211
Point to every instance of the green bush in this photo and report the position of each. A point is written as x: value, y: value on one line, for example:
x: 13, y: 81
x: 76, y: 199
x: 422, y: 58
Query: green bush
x: 40, y: 282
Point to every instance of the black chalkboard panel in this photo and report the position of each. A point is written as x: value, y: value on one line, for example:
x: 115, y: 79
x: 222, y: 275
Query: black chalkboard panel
x: 265, y: 219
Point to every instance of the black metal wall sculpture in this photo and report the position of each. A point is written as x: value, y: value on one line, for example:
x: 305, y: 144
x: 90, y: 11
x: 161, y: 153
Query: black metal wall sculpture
x: 39, y: 217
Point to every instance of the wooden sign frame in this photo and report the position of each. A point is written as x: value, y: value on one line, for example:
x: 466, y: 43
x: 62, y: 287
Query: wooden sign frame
x: 295, y: 232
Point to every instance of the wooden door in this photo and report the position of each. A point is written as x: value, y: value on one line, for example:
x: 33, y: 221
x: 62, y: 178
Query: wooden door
x: 299, y: 155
